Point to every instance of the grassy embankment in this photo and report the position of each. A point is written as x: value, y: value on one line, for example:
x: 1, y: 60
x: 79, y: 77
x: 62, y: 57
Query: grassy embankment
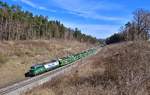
x: 120, y: 69
x: 16, y: 57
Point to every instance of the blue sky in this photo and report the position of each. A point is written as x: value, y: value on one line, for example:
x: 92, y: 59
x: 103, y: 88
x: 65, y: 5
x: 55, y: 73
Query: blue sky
x: 99, y: 18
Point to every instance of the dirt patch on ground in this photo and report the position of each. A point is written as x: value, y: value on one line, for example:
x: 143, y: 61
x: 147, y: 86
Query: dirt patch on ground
x: 120, y: 69
x: 17, y: 57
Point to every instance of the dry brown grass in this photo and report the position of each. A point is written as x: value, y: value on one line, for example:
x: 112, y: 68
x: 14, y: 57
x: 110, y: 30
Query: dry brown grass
x: 82, y: 80
x: 17, y: 57
x: 130, y: 69
x: 121, y: 69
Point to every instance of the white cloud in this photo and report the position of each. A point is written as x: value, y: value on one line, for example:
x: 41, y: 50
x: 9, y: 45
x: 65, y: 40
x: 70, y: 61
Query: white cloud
x: 46, y: 9
x: 43, y: 8
x: 89, y: 9
x: 30, y: 3
x: 96, y: 30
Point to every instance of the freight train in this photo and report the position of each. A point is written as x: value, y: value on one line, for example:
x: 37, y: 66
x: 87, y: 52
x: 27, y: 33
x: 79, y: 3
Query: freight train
x: 48, y: 66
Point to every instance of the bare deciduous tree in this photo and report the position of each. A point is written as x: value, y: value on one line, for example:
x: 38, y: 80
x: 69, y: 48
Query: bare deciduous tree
x: 138, y: 29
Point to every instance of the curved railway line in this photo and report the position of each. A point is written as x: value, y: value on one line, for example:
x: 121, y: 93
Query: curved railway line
x: 29, y: 83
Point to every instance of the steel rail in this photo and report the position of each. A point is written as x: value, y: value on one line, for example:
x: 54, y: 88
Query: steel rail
x: 50, y: 74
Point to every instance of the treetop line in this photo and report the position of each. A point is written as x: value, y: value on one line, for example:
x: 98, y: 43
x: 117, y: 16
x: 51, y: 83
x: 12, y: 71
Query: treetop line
x: 16, y: 24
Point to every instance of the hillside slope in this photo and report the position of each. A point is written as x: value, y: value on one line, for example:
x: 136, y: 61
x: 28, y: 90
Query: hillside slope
x: 16, y: 57
x: 120, y: 69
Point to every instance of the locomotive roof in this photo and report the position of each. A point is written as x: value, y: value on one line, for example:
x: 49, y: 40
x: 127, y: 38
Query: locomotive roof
x: 37, y: 65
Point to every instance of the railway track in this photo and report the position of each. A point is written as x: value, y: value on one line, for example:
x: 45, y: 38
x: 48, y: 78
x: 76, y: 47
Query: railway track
x: 25, y: 85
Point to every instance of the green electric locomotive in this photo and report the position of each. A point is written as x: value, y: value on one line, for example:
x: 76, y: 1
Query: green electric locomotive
x: 48, y: 66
